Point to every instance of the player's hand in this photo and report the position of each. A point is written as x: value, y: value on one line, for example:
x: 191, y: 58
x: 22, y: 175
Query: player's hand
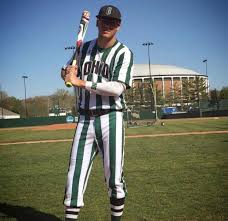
x: 63, y: 73
x: 67, y: 70
x: 71, y: 76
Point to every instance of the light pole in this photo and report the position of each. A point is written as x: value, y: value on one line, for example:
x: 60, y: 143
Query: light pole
x: 26, y: 111
x: 148, y: 44
x: 205, y: 61
x: 1, y: 100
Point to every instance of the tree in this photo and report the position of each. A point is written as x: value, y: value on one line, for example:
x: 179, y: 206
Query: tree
x: 214, y: 95
x: 129, y: 96
x: 187, y: 91
x: 138, y: 96
x: 151, y: 93
x: 159, y: 97
x: 60, y: 96
x: 224, y: 93
x: 63, y: 99
x: 15, y: 105
x: 177, y: 93
x: 200, y: 86
x: 11, y: 103
x: 169, y: 98
x: 4, y: 95
x: 38, y: 106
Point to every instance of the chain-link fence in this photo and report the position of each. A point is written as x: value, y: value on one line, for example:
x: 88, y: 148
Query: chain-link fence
x: 145, y: 115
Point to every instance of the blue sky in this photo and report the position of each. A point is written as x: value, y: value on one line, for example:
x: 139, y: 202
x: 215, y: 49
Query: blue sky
x: 34, y: 34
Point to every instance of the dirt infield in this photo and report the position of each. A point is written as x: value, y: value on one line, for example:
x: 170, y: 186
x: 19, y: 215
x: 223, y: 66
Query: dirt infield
x: 55, y: 127
x: 65, y: 126
x: 129, y: 136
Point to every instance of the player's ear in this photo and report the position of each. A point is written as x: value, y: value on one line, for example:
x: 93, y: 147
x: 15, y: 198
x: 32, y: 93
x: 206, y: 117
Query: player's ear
x: 118, y: 27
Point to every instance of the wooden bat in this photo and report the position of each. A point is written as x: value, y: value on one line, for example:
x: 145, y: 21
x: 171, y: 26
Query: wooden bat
x: 80, y: 37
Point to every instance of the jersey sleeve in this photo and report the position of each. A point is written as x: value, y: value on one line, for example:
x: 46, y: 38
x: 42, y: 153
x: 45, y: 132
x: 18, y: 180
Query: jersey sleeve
x: 123, y: 70
x: 111, y: 88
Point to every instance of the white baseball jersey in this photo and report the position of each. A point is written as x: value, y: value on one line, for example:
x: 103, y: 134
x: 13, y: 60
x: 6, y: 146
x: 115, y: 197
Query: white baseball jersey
x: 103, y: 65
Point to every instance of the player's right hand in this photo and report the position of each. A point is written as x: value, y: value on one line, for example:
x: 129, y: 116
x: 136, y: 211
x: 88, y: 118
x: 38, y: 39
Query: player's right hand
x: 72, y: 70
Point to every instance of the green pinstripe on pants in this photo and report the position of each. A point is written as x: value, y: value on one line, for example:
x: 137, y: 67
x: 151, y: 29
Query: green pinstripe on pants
x: 104, y: 135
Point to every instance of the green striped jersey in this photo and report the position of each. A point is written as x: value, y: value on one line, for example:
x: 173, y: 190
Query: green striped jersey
x: 103, y: 65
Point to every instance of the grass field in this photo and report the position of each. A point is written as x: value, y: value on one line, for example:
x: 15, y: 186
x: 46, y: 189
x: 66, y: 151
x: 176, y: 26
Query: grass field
x: 171, y: 126
x: 180, y: 178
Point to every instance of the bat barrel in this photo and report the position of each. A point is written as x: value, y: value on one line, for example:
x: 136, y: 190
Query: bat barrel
x: 80, y: 37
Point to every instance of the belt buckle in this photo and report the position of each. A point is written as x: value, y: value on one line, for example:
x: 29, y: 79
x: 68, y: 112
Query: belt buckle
x: 92, y: 113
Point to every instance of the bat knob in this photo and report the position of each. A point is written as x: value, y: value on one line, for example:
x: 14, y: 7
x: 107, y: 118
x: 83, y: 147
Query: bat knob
x: 68, y: 84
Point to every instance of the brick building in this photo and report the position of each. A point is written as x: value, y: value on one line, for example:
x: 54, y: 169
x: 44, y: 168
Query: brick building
x: 166, y: 77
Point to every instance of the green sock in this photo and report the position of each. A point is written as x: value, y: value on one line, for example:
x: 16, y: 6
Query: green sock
x: 117, y: 206
x: 71, y: 213
x: 115, y: 218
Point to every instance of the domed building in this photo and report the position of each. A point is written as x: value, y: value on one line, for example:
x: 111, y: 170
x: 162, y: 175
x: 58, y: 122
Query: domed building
x: 166, y: 77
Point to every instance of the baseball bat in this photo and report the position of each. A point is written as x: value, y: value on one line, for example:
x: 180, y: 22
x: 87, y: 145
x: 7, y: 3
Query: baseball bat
x: 80, y: 37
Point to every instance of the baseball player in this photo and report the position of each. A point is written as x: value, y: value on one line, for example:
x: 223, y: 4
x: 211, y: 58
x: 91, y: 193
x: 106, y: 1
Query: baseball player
x: 103, y: 73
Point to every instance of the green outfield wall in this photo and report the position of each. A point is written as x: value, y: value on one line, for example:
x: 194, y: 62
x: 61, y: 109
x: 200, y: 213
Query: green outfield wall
x: 34, y: 121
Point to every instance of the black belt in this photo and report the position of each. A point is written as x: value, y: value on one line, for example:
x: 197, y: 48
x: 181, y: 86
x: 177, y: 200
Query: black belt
x: 96, y: 113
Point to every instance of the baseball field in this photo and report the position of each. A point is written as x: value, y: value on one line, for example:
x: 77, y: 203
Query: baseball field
x: 173, y: 172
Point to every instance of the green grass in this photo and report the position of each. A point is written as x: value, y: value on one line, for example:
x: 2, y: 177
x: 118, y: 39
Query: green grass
x: 171, y: 126
x: 180, y: 178
x: 183, y: 125
x: 28, y: 134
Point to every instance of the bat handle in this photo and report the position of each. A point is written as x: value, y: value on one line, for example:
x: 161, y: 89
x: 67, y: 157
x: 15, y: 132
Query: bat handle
x: 68, y: 84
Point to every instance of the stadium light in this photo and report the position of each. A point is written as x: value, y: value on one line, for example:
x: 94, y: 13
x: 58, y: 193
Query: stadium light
x: 71, y: 48
x: 148, y: 44
x: 26, y: 110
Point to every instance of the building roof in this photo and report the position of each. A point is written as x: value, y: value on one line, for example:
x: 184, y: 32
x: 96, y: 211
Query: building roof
x: 142, y: 70
x: 7, y: 112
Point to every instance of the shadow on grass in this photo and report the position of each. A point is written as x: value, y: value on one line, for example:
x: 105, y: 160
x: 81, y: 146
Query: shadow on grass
x: 25, y: 213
